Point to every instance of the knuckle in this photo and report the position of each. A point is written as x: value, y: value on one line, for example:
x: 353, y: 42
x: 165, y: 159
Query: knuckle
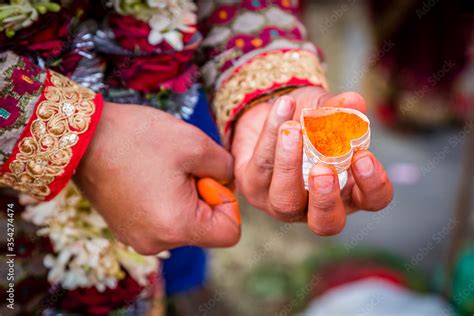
x: 324, y: 204
x: 255, y: 201
x: 254, y: 195
x: 200, y: 146
x: 287, y: 208
x: 290, y: 217
x: 263, y: 163
x: 289, y: 169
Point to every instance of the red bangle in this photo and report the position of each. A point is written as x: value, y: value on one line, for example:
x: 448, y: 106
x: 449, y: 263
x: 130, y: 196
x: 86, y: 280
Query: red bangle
x: 262, y: 75
x: 54, y: 140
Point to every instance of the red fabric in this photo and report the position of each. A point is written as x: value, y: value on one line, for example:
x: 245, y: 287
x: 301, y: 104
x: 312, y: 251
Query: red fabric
x: 342, y: 273
x: 243, y: 42
x: 89, y: 301
x: 150, y: 72
x: 25, y: 83
x: 77, y: 151
x: 46, y: 37
x: 132, y: 34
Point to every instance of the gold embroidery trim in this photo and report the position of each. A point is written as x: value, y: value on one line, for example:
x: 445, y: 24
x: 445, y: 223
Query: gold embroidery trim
x: 62, y: 116
x: 261, y: 73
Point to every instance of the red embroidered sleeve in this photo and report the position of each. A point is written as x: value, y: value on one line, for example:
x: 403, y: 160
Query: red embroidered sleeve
x: 256, y: 47
x: 46, y: 123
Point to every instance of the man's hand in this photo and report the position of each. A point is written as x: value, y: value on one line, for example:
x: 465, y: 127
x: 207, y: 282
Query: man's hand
x: 267, y: 147
x: 140, y: 173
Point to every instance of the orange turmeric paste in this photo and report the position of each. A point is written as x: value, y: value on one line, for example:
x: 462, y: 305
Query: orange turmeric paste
x: 331, y: 134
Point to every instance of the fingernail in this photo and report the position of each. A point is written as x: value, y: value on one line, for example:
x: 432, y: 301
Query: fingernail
x: 347, y: 99
x: 336, y: 101
x: 290, y: 139
x: 284, y: 107
x: 214, y: 193
x: 323, y: 179
x: 365, y: 166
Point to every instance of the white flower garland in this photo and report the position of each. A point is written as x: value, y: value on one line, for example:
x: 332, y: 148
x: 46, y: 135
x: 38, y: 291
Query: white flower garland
x: 20, y: 14
x: 86, y: 253
x: 168, y: 19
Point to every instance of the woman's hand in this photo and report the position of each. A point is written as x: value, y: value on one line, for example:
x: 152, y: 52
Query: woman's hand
x: 140, y: 173
x: 267, y: 147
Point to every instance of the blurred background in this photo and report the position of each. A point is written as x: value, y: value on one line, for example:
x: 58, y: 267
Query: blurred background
x: 412, y: 60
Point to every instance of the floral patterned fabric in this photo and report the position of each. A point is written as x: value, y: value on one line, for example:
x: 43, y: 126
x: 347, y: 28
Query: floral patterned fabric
x: 21, y: 83
x: 55, y: 137
x: 237, y: 28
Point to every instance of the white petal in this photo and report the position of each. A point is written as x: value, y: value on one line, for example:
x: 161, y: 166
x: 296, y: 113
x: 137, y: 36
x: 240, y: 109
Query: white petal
x: 175, y: 39
x: 155, y: 37
x: 159, y: 22
x: 189, y: 18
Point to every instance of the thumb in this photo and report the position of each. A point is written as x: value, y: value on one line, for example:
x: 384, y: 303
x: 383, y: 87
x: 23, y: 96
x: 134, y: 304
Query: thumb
x: 217, y: 221
x: 349, y: 99
x: 309, y: 97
